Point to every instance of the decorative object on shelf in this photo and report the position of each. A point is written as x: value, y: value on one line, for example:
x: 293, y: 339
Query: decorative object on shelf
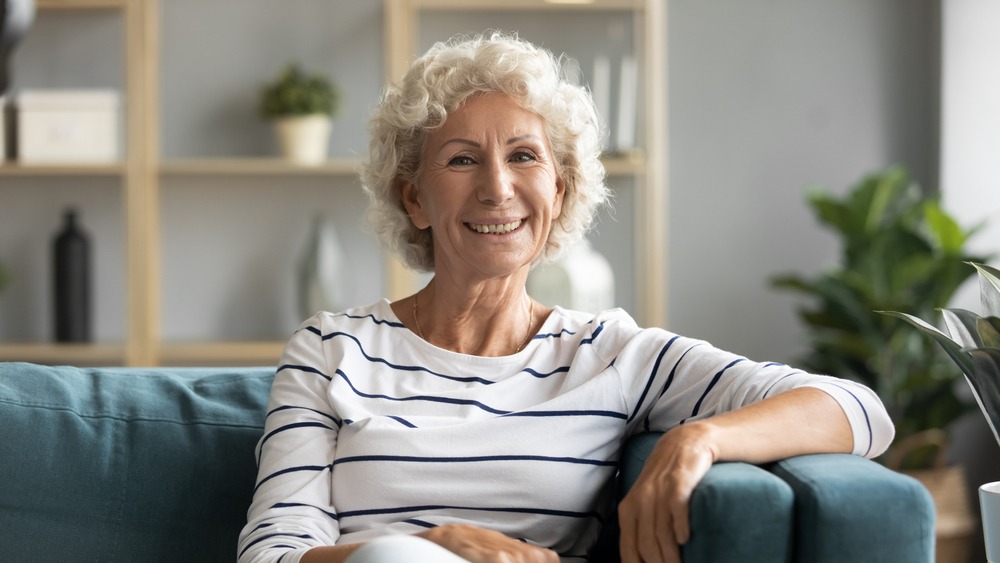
x: 899, y: 251
x: 321, y: 270
x: 301, y: 106
x: 582, y: 279
x: 973, y: 342
x: 628, y: 92
x: 67, y: 126
x: 16, y: 17
x: 71, y: 281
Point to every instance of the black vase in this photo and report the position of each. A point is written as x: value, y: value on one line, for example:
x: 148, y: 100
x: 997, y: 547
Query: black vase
x: 71, y: 253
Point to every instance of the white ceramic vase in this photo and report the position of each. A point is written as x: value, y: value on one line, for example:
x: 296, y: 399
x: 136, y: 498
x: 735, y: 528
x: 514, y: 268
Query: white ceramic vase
x: 321, y: 270
x: 304, y: 139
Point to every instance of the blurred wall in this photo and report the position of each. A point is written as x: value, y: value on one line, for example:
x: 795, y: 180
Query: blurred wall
x: 766, y: 98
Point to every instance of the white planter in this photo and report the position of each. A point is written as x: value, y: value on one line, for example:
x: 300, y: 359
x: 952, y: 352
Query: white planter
x: 304, y: 139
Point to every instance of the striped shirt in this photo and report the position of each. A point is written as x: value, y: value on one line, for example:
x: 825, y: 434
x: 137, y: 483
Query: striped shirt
x: 371, y: 430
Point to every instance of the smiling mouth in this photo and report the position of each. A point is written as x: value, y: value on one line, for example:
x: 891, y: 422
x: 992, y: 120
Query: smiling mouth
x: 499, y: 229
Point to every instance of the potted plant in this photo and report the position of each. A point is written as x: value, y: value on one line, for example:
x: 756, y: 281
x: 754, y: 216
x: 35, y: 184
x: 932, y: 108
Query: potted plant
x: 973, y: 342
x: 301, y: 106
x: 900, y: 251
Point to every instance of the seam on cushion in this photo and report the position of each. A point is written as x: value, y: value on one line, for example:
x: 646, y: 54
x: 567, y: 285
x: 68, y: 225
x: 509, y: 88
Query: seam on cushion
x: 185, y: 422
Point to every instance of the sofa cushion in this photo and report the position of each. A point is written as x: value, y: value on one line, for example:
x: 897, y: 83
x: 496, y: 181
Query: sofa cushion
x: 120, y: 464
x: 848, y: 508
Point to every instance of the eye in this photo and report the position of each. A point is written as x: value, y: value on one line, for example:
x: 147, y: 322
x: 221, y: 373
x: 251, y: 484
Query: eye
x: 461, y: 160
x: 523, y: 156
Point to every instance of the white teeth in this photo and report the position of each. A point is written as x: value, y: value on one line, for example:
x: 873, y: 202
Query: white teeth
x: 496, y: 229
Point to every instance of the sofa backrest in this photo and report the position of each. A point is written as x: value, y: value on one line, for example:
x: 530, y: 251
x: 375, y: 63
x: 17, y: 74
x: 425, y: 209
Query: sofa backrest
x: 126, y: 464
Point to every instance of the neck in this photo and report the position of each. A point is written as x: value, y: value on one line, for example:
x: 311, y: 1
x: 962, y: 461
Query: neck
x: 481, y: 323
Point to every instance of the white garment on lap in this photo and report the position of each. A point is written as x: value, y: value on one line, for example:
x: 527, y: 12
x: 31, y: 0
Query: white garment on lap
x: 403, y: 549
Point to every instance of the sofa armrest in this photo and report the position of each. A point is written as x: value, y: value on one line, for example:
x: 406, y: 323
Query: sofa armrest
x: 848, y: 508
x: 739, y: 512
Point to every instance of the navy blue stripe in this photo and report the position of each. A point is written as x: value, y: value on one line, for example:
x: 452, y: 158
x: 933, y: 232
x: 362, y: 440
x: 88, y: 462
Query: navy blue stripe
x: 308, y: 369
x: 868, y: 421
x: 434, y: 507
x: 295, y: 407
x: 269, y: 536
x: 377, y: 360
x: 421, y: 398
x: 782, y: 378
x: 718, y: 376
x: 651, y: 377
x: 609, y: 414
x: 472, y: 459
x: 291, y: 426
x: 593, y: 336
x: 554, y: 334
x: 403, y: 421
x: 303, y: 505
x: 421, y: 523
x: 540, y: 375
x: 670, y: 379
x: 291, y: 470
x: 374, y: 320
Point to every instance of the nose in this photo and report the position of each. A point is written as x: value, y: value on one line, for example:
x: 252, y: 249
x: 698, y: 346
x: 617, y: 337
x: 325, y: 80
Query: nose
x: 495, y: 185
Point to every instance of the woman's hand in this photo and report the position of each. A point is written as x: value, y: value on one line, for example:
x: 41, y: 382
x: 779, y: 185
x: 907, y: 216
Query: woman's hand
x: 478, y: 545
x: 654, y: 515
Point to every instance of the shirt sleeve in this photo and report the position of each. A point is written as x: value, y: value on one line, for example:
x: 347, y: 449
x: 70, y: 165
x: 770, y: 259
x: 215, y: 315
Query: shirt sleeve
x: 292, y: 509
x: 669, y: 380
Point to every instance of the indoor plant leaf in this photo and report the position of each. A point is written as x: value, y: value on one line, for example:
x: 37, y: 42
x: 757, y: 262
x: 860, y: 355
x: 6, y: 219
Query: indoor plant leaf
x: 961, y: 325
x: 944, y: 231
x: 989, y: 332
x: 989, y: 287
x: 985, y: 382
x: 954, y: 349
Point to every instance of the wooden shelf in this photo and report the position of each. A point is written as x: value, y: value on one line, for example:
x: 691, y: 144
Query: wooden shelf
x: 503, y: 5
x: 222, y: 353
x: 257, y: 166
x: 75, y: 354
x: 48, y: 170
x: 81, y: 4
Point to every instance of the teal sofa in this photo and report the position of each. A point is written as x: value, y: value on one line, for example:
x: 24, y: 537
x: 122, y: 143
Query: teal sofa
x: 127, y: 464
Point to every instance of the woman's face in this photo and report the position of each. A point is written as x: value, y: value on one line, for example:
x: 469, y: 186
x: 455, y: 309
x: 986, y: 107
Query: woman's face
x: 488, y: 188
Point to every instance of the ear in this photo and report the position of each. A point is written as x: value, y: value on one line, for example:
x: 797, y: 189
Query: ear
x: 560, y: 193
x: 409, y: 195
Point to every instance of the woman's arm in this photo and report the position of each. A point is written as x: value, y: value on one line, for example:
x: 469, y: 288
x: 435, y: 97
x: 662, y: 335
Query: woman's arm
x: 654, y: 515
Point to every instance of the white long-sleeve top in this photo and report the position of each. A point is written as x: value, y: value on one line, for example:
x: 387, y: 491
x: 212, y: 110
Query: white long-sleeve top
x: 371, y: 430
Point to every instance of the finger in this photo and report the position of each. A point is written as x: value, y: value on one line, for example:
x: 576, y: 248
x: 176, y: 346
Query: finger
x: 681, y: 523
x: 668, y: 548
x: 627, y: 523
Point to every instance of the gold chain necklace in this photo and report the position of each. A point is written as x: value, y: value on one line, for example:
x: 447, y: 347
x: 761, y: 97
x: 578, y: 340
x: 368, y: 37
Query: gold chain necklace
x: 527, y: 331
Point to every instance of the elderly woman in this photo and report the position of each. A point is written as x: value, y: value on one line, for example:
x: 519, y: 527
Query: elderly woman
x: 468, y: 422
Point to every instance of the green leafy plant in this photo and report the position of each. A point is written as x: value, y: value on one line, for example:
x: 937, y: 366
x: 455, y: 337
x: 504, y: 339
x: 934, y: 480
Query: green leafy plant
x: 295, y: 93
x: 973, y: 342
x: 900, y: 251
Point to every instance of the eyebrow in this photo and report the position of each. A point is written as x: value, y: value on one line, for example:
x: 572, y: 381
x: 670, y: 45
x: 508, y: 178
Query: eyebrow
x: 510, y: 141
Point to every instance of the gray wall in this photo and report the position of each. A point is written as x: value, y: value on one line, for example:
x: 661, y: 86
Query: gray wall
x: 766, y: 98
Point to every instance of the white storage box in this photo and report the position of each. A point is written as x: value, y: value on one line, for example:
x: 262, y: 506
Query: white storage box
x: 67, y: 126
